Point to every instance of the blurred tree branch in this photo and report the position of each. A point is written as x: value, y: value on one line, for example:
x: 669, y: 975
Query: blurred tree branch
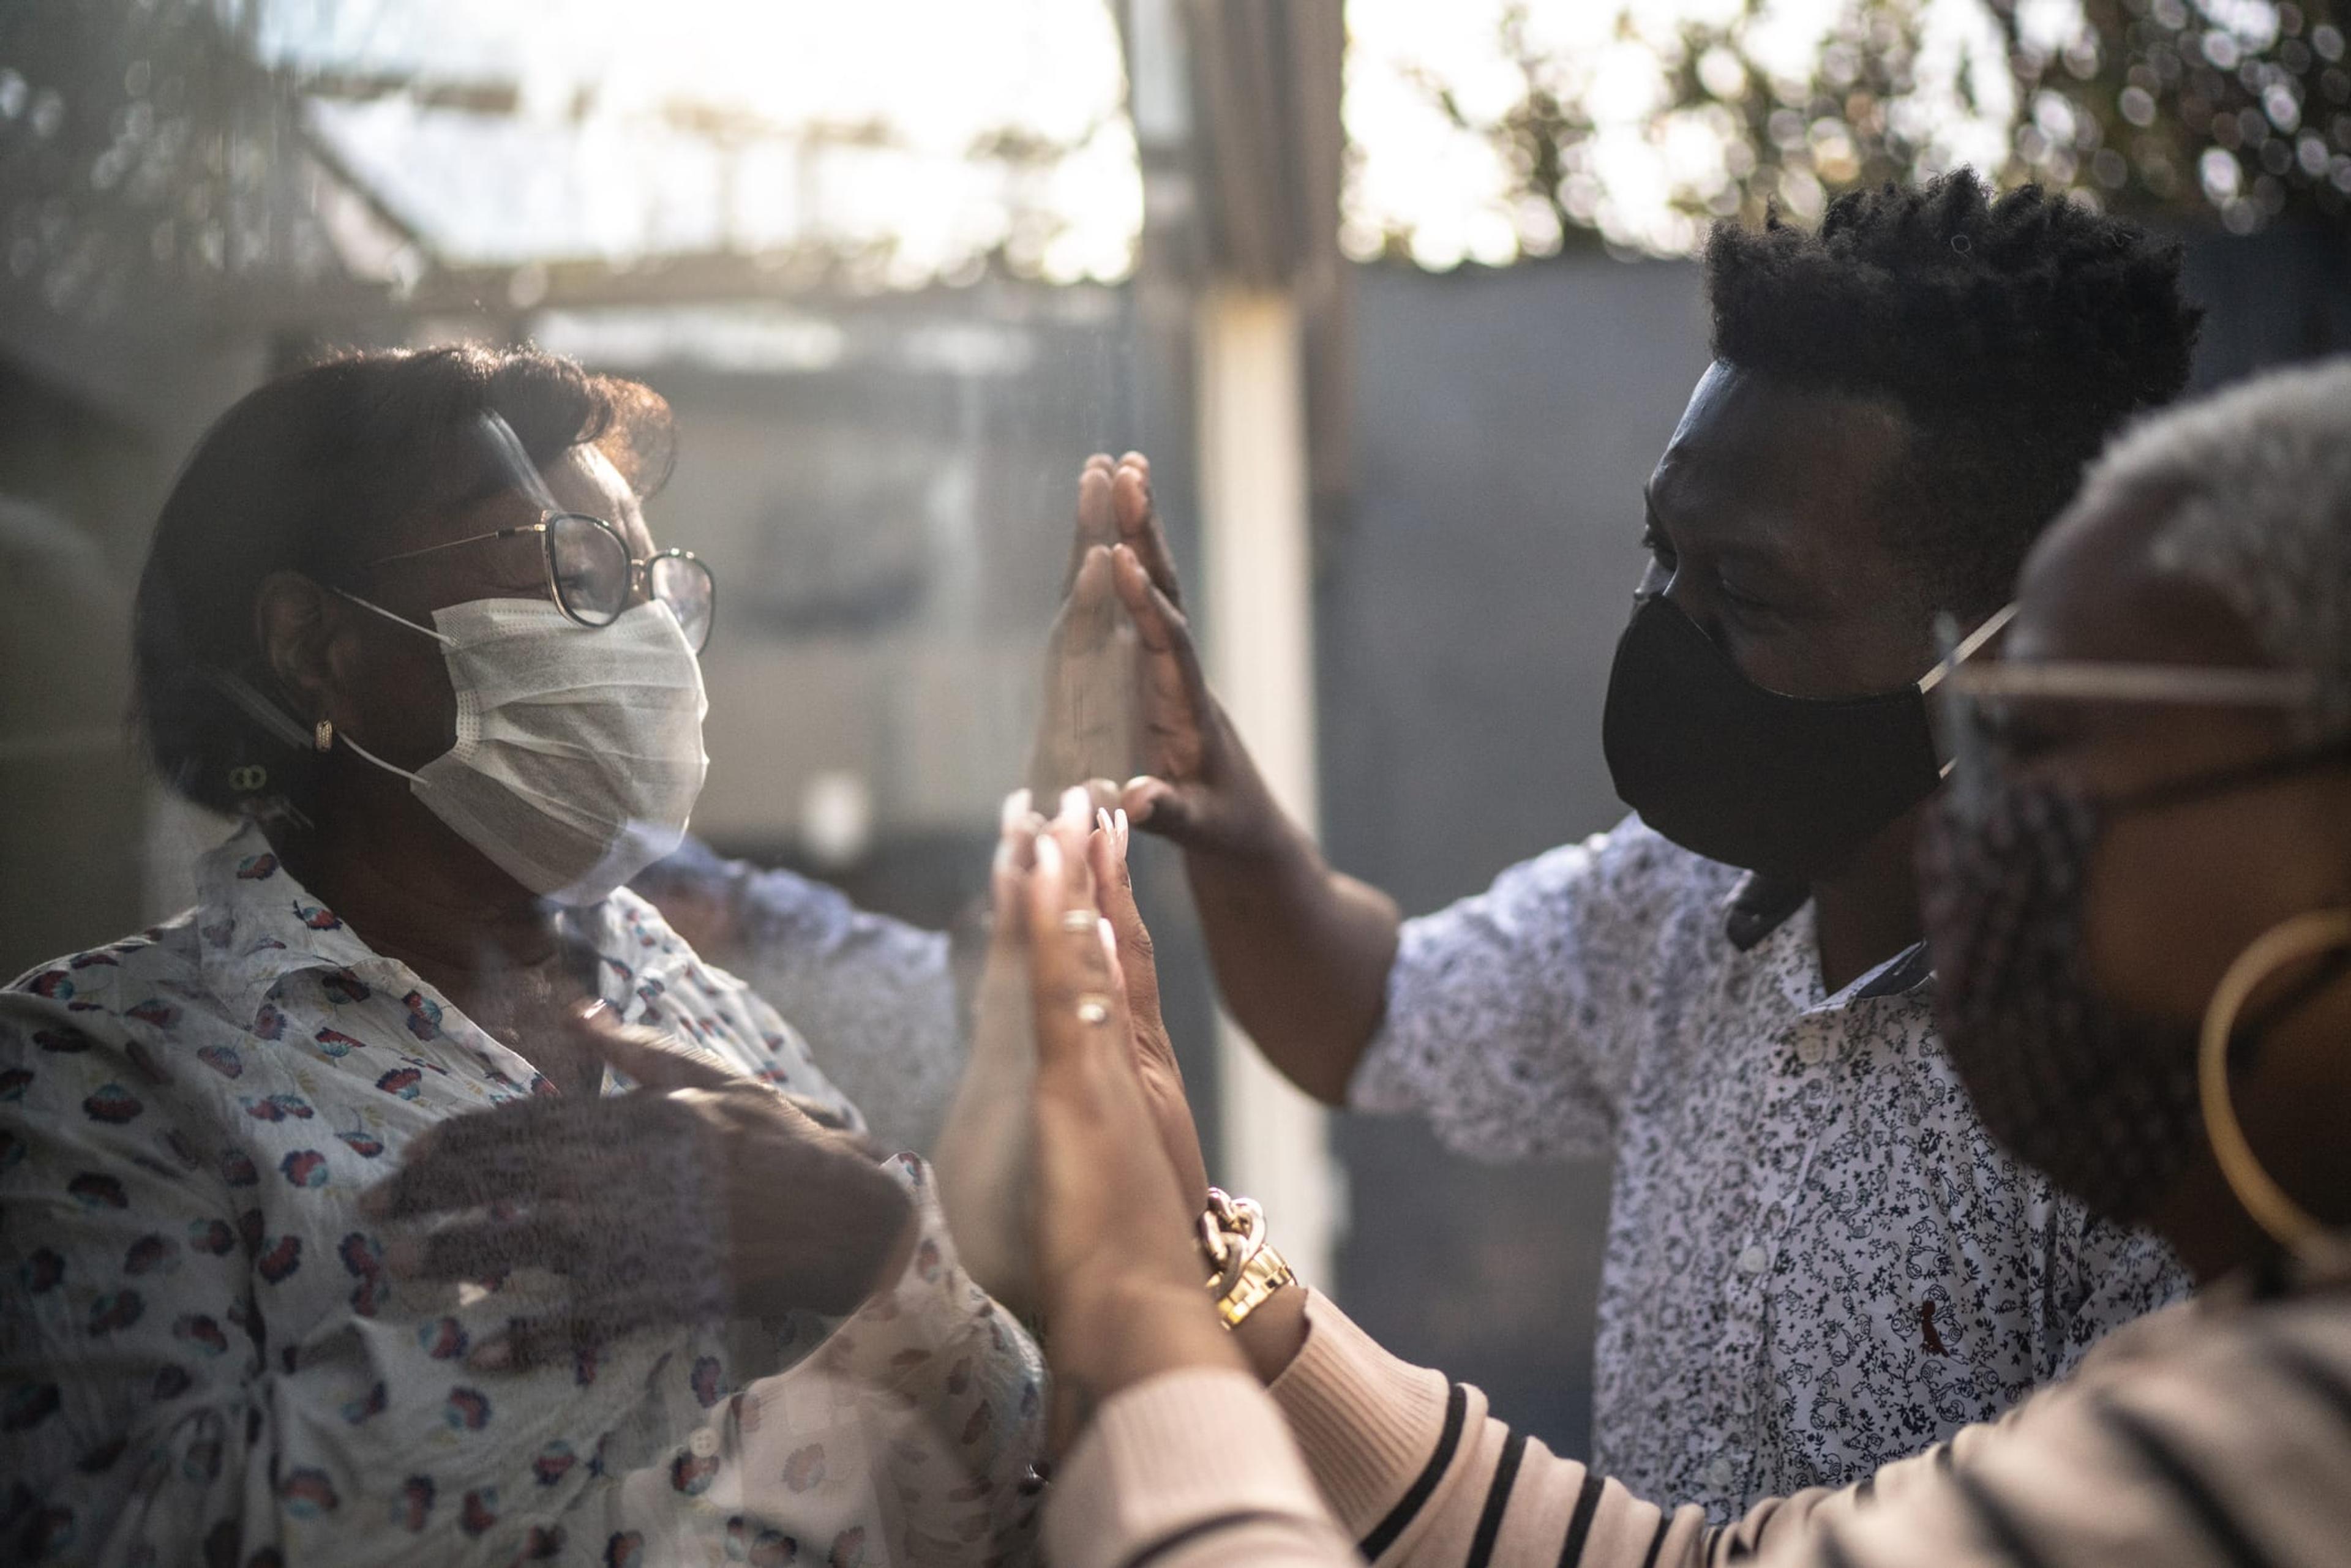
x: 2229, y: 111
x: 150, y: 156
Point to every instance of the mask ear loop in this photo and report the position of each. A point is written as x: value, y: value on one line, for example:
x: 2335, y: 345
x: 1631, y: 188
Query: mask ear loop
x: 1958, y: 650
x: 1966, y: 770
x: 442, y: 638
x: 273, y: 719
x: 343, y: 736
x: 2287, y: 1223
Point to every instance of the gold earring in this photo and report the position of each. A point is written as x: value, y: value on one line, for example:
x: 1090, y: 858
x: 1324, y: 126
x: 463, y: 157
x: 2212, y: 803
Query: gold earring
x: 322, y: 735
x: 2288, y: 1223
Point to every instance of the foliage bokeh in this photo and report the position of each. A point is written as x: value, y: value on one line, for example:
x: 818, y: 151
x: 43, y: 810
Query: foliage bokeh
x: 2228, y: 113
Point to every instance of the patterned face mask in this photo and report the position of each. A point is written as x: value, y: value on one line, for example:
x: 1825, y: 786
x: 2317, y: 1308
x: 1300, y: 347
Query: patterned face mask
x: 2103, y: 1103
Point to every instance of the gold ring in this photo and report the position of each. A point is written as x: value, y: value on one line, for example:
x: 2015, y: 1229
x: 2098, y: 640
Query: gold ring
x: 1093, y: 1008
x: 1077, y: 921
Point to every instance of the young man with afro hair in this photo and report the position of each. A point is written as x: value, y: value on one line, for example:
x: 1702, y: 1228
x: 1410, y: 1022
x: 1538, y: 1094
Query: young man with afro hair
x: 1817, y: 1260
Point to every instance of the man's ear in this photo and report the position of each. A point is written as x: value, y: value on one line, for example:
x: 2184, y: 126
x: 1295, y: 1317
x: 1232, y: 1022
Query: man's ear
x: 294, y: 622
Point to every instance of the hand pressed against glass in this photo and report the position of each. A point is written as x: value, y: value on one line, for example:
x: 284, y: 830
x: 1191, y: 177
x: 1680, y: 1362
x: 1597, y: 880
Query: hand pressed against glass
x: 700, y: 1196
x: 1120, y: 1272
x: 1087, y: 725
x: 985, y: 1155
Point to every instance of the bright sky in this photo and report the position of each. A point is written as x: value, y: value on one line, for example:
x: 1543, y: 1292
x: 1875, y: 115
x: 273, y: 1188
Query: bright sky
x: 613, y: 180
x: 1417, y: 171
x: 618, y: 183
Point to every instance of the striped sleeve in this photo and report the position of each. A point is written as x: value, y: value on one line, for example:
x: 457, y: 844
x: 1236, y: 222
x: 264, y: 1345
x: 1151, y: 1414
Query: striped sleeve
x: 1417, y: 1471
x: 2199, y: 1439
x: 1398, y: 1466
x: 2194, y: 1440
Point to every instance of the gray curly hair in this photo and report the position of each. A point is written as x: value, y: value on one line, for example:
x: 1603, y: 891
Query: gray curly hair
x: 2254, y: 485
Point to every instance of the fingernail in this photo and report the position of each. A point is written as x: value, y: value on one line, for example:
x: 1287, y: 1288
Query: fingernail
x: 1073, y: 804
x: 1002, y: 861
x: 492, y: 1354
x: 1049, y: 856
x: 1109, y: 937
x: 1016, y: 808
x: 1123, y: 829
x: 1101, y: 821
x: 588, y: 1013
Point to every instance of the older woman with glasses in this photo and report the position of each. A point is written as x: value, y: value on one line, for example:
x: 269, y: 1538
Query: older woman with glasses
x: 420, y: 1195
x: 2139, y: 902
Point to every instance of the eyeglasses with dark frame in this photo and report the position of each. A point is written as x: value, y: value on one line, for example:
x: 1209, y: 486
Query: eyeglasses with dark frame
x: 590, y: 574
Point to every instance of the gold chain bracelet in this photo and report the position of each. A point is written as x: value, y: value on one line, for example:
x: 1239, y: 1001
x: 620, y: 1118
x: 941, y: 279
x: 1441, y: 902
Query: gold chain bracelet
x: 1248, y: 1268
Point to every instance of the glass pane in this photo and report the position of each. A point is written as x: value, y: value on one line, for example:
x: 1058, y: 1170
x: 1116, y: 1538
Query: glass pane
x: 591, y: 566
x: 684, y: 584
x: 738, y: 229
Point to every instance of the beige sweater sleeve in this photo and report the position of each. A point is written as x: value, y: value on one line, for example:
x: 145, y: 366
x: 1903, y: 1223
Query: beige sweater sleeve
x: 1375, y: 1457
x: 2205, y: 1436
x: 1189, y: 1468
x: 1418, y: 1472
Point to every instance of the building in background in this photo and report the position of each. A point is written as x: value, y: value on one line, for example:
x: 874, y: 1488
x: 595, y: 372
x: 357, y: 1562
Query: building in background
x: 900, y: 267
x: 886, y: 304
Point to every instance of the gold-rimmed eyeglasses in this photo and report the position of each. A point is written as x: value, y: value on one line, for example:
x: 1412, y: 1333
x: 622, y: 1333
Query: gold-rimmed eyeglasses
x: 590, y: 574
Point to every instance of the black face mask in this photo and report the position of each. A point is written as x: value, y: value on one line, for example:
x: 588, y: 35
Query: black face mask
x: 2103, y: 1103
x: 1788, y: 785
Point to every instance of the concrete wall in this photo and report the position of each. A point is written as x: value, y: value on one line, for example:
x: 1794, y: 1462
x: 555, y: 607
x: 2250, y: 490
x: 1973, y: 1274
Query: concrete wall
x: 1505, y: 424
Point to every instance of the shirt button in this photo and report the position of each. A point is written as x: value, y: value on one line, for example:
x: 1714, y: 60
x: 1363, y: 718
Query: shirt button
x: 1754, y: 1260
x: 704, y: 1443
x: 1811, y: 1051
x: 1717, y: 1473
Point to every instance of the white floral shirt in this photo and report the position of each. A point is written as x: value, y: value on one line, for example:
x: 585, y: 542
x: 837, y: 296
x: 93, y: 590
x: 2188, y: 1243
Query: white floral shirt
x: 874, y: 998
x: 202, y: 1357
x: 1817, y: 1260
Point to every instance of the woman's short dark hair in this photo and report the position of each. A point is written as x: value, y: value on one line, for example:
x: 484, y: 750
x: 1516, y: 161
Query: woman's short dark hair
x: 312, y: 472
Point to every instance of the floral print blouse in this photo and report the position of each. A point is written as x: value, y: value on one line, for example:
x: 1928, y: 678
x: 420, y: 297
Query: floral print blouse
x: 1818, y: 1260
x: 204, y: 1359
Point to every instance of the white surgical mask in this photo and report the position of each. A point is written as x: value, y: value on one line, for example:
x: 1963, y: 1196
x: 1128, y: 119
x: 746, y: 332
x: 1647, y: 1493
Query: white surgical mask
x: 578, y: 751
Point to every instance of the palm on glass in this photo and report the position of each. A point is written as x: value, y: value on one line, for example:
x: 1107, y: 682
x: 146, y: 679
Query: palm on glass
x: 1194, y: 782
x: 1302, y: 952
x: 702, y: 1195
x: 985, y: 1152
x: 1156, y: 1066
x: 1118, y: 1170
x: 1086, y: 728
